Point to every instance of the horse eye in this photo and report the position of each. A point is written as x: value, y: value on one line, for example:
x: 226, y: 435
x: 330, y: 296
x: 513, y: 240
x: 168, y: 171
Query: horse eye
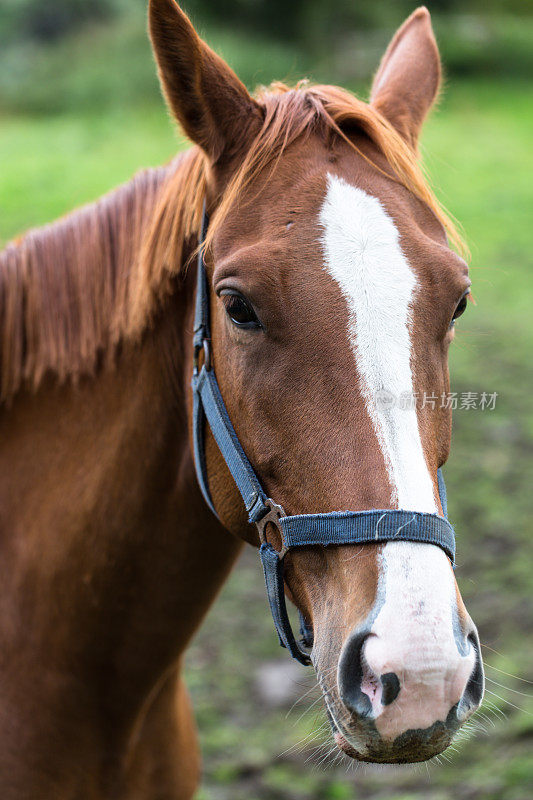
x: 239, y: 310
x: 461, y: 307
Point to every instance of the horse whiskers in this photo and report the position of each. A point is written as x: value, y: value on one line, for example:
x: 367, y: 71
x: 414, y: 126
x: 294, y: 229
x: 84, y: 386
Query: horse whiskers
x: 446, y: 756
x: 508, y: 702
x: 323, y: 758
x: 509, y: 674
x: 339, y: 758
x: 486, y: 718
x: 307, y: 710
x: 327, y: 673
x: 325, y: 689
x: 489, y: 719
x: 313, y: 736
x: 469, y: 728
x: 301, y: 698
x: 300, y: 745
x: 327, y: 755
x: 317, y: 731
x: 315, y: 751
x: 352, y: 764
x: 322, y: 691
x: 488, y: 705
x: 473, y: 730
x: 508, y: 688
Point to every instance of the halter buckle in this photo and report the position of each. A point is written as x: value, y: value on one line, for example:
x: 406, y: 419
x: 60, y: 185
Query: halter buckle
x: 273, y: 516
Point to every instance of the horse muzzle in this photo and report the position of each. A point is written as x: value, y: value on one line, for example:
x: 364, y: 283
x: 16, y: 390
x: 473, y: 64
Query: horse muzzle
x: 401, y: 698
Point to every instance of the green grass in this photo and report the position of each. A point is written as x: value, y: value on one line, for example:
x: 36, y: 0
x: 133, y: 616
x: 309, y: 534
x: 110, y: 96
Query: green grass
x: 479, y: 152
x: 52, y: 164
x: 480, y: 156
x: 110, y: 65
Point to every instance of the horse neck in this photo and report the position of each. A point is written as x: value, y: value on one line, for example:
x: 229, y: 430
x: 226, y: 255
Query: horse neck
x: 109, y: 557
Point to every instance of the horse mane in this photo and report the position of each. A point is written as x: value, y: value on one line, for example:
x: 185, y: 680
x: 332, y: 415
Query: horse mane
x: 73, y: 291
x: 67, y: 290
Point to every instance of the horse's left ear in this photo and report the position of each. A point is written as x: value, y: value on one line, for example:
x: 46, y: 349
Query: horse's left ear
x: 209, y: 101
x: 407, y: 81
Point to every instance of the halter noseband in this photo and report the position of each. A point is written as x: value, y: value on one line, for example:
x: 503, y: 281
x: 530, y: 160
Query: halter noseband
x: 301, y: 530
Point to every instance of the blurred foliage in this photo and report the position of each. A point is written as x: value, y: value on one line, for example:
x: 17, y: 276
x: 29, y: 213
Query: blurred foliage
x: 299, y: 20
x: 320, y: 21
x: 109, y: 62
x: 50, y: 20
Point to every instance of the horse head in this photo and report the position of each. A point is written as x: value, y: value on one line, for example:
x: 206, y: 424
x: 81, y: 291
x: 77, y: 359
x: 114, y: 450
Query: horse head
x: 333, y: 293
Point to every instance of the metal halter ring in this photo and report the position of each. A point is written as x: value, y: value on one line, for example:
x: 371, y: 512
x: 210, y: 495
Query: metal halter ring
x: 273, y: 517
x: 204, y: 348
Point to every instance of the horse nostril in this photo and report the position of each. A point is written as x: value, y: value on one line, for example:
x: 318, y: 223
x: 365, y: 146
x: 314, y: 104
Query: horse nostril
x: 351, y: 676
x: 354, y: 674
x: 390, y: 688
x: 473, y: 692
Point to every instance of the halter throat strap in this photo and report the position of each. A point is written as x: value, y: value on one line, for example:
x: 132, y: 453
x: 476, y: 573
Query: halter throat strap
x: 302, y: 530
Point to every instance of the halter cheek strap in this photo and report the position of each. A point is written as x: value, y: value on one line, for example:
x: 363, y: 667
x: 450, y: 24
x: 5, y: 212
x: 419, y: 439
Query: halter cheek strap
x: 302, y: 530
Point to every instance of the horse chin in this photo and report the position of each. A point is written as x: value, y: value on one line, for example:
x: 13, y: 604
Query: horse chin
x: 388, y: 754
x: 345, y: 743
x: 407, y: 749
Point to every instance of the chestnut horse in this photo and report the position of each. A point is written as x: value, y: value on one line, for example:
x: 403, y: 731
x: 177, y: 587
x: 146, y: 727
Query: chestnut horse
x: 330, y: 279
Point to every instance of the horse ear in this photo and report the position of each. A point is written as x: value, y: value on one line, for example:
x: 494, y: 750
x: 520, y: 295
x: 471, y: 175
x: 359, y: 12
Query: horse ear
x: 407, y: 81
x: 211, y: 104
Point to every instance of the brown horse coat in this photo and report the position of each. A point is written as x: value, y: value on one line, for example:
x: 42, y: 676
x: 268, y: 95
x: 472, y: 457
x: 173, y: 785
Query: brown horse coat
x: 109, y: 557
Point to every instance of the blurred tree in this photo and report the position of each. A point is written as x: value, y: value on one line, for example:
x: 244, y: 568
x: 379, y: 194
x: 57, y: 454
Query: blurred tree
x: 312, y: 21
x: 50, y: 20
x: 307, y: 22
x: 65, y: 54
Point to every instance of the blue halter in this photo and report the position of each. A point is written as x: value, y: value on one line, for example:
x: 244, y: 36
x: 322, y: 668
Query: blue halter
x: 301, y: 530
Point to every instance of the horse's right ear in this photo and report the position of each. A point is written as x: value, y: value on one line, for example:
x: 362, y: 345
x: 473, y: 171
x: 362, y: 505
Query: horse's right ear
x: 211, y: 104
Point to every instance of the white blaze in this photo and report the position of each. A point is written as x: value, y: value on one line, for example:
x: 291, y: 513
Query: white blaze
x: 364, y: 256
x: 414, y: 627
